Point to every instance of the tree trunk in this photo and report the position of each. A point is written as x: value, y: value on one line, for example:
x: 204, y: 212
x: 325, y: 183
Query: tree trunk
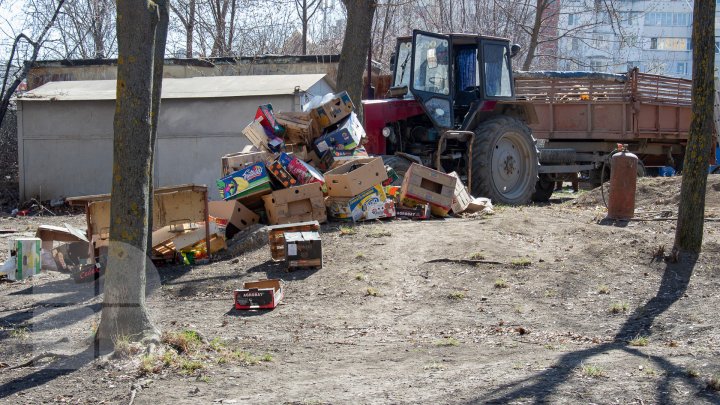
x: 124, y: 311
x: 691, y: 214
x: 355, y: 48
x: 535, y: 34
x: 189, y: 29
x: 304, y: 28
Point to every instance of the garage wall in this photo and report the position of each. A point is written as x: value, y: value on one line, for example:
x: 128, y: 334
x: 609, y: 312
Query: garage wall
x: 65, y: 147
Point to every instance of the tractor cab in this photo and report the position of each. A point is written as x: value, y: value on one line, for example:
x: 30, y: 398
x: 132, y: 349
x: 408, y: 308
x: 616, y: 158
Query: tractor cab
x: 452, y: 76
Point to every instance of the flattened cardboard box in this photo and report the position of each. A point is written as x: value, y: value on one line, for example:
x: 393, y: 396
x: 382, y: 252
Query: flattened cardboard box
x: 354, y: 177
x: 302, y: 250
x: 296, y: 204
x: 261, y: 294
x: 334, y: 110
x: 235, y: 161
x: 461, y: 197
x: 276, y: 236
x: 428, y: 185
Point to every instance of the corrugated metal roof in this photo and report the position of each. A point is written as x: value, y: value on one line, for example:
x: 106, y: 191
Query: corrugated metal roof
x: 194, y: 87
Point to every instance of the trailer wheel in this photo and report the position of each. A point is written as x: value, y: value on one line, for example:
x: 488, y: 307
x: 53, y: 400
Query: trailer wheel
x: 399, y: 164
x: 505, y: 161
x: 543, y: 189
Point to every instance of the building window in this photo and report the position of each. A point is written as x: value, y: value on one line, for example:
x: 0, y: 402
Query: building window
x: 596, y: 66
x: 653, y: 43
x: 576, y: 44
x: 671, y: 44
x: 717, y: 45
x: 572, y: 19
x: 681, y: 68
x: 668, y: 19
x: 688, y: 44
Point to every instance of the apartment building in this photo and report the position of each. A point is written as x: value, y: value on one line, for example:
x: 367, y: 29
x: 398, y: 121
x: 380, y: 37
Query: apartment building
x: 655, y: 36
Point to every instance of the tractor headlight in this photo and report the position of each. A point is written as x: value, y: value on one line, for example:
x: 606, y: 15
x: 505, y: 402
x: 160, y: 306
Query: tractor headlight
x: 387, y: 131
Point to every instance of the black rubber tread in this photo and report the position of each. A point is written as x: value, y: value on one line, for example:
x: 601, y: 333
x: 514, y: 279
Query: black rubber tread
x: 556, y: 156
x: 487, y: 135
x: 641, y: 172
x: 544, y: 189
x: 399, y: 164
x: 716, y: 171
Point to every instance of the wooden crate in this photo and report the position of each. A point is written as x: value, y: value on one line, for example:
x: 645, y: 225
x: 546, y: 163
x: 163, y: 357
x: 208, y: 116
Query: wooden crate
x: 299, y: 127
x: 276, y: 236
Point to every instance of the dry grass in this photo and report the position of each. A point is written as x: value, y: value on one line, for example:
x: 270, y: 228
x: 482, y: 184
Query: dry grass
x: 456, y: 295
x: 500, y: 283
x: 521, y: 262
x: 184, y: 341
x: 619, y: 307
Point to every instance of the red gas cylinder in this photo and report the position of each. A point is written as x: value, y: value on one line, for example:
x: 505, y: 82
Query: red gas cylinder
x: 623, y: 181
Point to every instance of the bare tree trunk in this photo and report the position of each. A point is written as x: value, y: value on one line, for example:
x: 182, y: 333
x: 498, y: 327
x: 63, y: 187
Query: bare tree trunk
x: 124, y: 311
x: 691, y: 214
x: 355, y: 48
x: 232, y: 28
x: 541, y: 5
x: 189, y: 29
x: 304, y: 27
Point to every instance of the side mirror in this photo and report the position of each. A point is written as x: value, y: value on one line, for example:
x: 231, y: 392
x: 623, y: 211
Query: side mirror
x: 392, y: 61
x: 514, y: 50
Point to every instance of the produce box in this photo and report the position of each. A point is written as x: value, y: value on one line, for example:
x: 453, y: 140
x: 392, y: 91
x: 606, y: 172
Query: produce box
x: 266, y: 117
x: 260, y: 294
x: 420, y: 211
x: 370, y: 204
x: 261, y: 137
x: 461, y: 197
x: 235, y: 161
x: 28, y: 259
x: 347, y: 136
x: 301, y: 171
x: 295, y: 204
x: 392, y: 176
x: 300, y: 127
x: 303, y: 250
x: 333, y: 111
x: 426, y: 185
x: 354, y: 177
x: 276, y: 236
x: 252, y: 180
x: 280, y: 176
x: 334, y: 158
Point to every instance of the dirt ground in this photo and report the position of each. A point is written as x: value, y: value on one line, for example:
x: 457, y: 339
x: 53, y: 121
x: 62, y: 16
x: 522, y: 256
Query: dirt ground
x: 561, y: 307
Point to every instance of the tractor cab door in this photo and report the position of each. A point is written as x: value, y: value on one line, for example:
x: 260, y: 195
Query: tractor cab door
x: 496, y: 70
x: 430, y: 80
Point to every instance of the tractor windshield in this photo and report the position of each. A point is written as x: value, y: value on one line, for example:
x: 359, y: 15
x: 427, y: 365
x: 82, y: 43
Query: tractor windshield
x: 497, y: 70
x: 431, y: 65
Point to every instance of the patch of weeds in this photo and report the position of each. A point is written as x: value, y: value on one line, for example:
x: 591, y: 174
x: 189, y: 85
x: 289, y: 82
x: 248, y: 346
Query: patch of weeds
x: 217, y: 344
x: 603, y: 289
x: 191, y: 366
x: 124, y: 348
x: 184, y: 341
x: 550, y: 347
x: 649, y: 371
x: 477, y: 256
x: 169, y: 358
x: 521, y: 262
x: 20, y: 333
x: 149, y: 365
x: 456, y: 295
x: 347, y: 230
x: 203, y: 378
x: 714, y: 383
x: 591, y: 370
x: 619, y: 307
x: 359, y: 256
x: 500, y: 283
x: 550, y: 293
x: 267, y: 357
x: 379, y: 234
x: 222, y: 360
x: 360, y: 277
x: 692, y: 373
x: 371, y: 292
x: 434, y: 367
x: 446, y: 342
x: 246, y: 358
x: 639, y: 341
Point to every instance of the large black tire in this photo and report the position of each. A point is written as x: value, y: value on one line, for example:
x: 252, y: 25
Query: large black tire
x: 543, y: 189
x: 399, y: 164
x: 716, y: 171
x: 505, y: 161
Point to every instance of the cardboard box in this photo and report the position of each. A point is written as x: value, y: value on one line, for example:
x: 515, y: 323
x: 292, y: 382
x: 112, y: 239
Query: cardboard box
x: 296, y: 204
x: 300, y: 127
x: 298, y: 150
x: 189, y: 238
x: 334, y: 158
x: 314, y: 160
x: 276, y: 236
x: 28, y: 259
x: 346, y: 136
x: 420, y: 211
x: 333, y: 111
x: 251, y: 180
x: 262, y: 138
x: 370, y: 204
x: 303, y: 250
x: 242, y: 217
x: 303, y: 172
x: 393, y: 192
x: 354, y: 177
x: 235, y: 161
x: 392, y: 176
x: 427, y: 185
x: 266, y: 117
x: 280, y: 176
x: 261, y: 294
x: 461, y: 197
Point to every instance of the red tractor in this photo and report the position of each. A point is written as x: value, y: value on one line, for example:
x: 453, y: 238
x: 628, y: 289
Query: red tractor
x: 453, y: 108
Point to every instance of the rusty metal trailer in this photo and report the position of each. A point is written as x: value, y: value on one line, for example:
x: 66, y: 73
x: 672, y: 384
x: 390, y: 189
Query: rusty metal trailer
x: 586, y: 114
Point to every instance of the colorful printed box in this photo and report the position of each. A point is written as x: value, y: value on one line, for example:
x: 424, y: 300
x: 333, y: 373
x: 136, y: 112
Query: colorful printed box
x: 301, y: 171
x: 252, y: 180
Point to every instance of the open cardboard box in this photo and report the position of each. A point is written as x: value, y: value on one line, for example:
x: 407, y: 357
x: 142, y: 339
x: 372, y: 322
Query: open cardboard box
x: 235, y: 161
x: 461, y: 196
x: 260, y: 294
x: 427, y: 185
x: 296, y: 204
x: 354, y: 177
x: 276, y: 236
x: 303, y: 250
x: 333, y: 111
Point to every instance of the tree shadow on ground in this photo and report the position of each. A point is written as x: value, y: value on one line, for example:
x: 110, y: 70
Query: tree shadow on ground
x: 541, y: 386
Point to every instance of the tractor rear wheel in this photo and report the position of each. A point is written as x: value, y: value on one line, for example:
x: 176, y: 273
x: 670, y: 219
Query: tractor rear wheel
x: 544, y: 189
x: 504, y: 162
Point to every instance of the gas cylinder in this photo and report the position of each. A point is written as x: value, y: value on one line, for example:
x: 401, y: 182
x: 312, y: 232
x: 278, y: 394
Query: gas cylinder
x: 623, y: 181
